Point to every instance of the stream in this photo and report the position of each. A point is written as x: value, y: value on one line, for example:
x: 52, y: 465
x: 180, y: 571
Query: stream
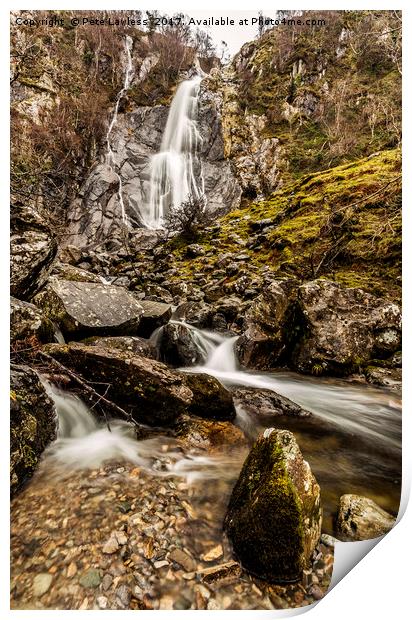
x: 352, y: 441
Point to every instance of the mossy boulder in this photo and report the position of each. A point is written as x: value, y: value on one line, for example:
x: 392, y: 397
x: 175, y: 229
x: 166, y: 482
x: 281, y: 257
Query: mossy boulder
x: 148, y: 389
x: 86, y: 308
x: 344, y: 328
x: 274, y: 515
x: 210, y: 398
x: 127, y: 344
x: 360, y: 518
x: 28, y: 322
x: 153, y: 393
x: 32, y: 251
x: 33, y: 423
x: 270, y: 326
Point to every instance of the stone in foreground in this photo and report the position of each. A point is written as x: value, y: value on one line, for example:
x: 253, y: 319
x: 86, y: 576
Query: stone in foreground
x: 88, y: 308
x: 32, y: 423
x: 360, y: 518
x: 27, y: 321
x: 274, y: 515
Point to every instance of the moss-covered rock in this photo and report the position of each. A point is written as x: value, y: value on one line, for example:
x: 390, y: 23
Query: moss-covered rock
x: 274, y: 514
x: 33, y: 423
x: 27, y: 321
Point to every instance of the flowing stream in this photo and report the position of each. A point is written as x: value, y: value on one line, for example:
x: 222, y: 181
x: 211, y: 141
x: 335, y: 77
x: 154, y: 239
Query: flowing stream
x: 352, y: 441
x: 175, y: 172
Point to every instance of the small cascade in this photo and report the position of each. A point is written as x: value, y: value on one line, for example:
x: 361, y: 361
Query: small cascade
x: 176, y: 172
x: 110, y: 158
x: 82, y: 441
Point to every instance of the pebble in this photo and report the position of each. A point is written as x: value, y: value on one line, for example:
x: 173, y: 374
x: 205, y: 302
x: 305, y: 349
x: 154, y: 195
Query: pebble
x: 213, y: 554
x: 107, y: 582
x: 124, y: 594
x: 183, y: 559
x: 71, y: 570
x: 90, y: 579
x: 102, y: 602
x: 41, y: 583
x: 110, y: 546
x: 160, y: 563
x: 316, y: 592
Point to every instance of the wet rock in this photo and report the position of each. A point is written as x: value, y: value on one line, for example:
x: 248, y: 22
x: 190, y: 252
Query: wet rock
x: 28, y: 321
x: 83, y: 308
x: 153, y: 393
x: 127, y: 344
x: 155, y: 314
x: 274, y: 514
x: 360, y: 518
x: 345, y: 327
x: 209, y: 434
x: 264, y: 404
x: 32, y: 251
x: 210, y: 398
x: 32, y: 423
x: 90, y: 578
x: 197, y: 314
x: 270, y: 326
x: 41, y: 583
x: 177, y: 346
x: 385, y: 377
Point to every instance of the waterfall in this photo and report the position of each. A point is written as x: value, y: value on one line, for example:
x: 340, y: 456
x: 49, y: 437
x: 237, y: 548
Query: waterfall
x: 175, y: 172
x: 110, y: 158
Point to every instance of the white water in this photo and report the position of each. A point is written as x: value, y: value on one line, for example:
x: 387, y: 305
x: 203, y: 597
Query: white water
x: 360, y: 409
x: 110, y: 158
x: 175, y: 172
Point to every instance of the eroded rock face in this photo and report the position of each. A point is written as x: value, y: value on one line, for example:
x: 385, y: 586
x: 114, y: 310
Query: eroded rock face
x: 274, y: 514
x: 32, y: 250
x: 88, y: 308
x: 270, y: 326
x: 345, y: 327
x: 360, y: 518
x: 33, y: 423
x: 26, y: 321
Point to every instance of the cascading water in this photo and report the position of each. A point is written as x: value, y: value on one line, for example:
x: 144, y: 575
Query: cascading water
x: 175, y: 172
x: 110, y: 158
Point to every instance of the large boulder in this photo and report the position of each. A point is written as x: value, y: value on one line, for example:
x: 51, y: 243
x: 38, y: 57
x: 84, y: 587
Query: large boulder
x: 345, y: 327
x: 32, y: 250
x: 87, y: 308
x: 360, y: 518
x: 153, y: 393
x: 155, y: 314
x: 28, y: 321
x: 177, y: 345
x: 270, y: 326
x: 274, y: 515
x: 33, y: 423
